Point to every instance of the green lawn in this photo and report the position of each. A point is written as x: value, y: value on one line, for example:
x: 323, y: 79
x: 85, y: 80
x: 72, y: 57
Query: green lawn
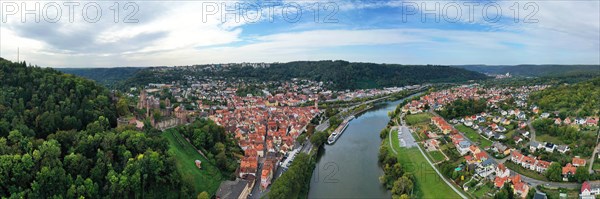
x: 555, y: 193
x: 526, y: 172
x: 206, y: 179
x: 547, y: 138
x: 418, y: 118
x: 474, y: 136
x: 428, y: 183
x: 596, y: 165
x: 481, y: 191
x: 437, y: 156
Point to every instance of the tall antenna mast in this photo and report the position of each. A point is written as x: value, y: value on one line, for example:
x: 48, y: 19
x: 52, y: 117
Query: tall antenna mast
x: 18, y: 60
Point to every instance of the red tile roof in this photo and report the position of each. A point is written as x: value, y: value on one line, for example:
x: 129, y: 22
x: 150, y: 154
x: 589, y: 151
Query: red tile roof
x: 569, y: 169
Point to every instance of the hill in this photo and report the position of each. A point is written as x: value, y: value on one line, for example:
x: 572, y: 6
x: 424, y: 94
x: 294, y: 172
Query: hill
x: 56, y: 141
x: 105, y: 76
x: 342, y: 74
x: 39, y: 101
x: 534, y: 70
x: 580, y: 99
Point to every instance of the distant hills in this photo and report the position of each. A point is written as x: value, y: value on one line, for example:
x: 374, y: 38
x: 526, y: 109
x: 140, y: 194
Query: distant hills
x: 580, y: 99
x: 342, y: 74
x: 352, y: 75
x: 534, y: 70
x: 106, y: 76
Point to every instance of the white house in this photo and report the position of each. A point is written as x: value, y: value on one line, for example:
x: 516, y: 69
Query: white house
x: 589, y: 189
x: 463, y: 147
x: 502, y: 171
x: 486, y: 168
x: 550, y: 147
x: 562, y: 148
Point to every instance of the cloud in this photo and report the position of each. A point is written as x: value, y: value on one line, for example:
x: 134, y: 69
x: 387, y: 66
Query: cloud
x: 179, y: 34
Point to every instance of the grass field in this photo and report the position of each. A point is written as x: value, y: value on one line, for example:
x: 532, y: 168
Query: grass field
x: 596, y: 165
x: 547, y: 138
x: 555, y: 193
x: 206, y: 179
x: 482, y: 191
x: 418, y: 118
x: 428, y: 183
x: 525, y: 172
x: 437, y: 156
x: 474, y: 136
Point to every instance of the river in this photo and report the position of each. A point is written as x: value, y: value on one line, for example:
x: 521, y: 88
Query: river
x: 349, y: 168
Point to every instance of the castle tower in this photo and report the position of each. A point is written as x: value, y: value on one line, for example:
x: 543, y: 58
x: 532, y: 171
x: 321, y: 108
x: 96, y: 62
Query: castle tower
x: 147, y: 110
x: 142, y: 99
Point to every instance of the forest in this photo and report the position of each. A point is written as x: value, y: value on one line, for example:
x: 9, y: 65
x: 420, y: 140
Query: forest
x: 342, y: 74
x: 57, y: 141
x: 579, y: 100
x: 352, y: 75
x: 462, y: 108
x: 533, y: 70
x: 92, y: 163
x: 39, y: 101
x: 105, y: 76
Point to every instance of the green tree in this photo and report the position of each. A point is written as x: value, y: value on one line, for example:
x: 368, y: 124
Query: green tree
x: 203, y: 195
x: 319, y: 139
x: 123, y: 107
x: 402, y: 186
x: 581, y: 174
x: 554, y: 172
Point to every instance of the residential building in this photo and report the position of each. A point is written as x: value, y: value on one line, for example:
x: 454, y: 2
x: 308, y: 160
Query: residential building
x: 568, y: 171
x: 578, y: 162
x: 589, y: 189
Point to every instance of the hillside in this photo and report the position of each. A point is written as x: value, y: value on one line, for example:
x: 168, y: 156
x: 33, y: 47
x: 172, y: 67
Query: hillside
x: 581, y: 99
x: 56, y: 141
x: 343, y: 74
x: 39, y: 101
x: 534, y: 70
x: 105, y: 76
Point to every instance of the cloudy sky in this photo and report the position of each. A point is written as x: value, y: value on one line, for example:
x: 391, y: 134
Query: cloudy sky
x: 166, y: 33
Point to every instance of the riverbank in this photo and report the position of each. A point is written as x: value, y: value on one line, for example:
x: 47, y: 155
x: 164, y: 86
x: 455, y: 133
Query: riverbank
x: 350, y: 169
x: 428, y: 184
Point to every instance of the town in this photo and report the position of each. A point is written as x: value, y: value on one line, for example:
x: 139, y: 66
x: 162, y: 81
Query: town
x: 499, y: 139
x: 265, y: 118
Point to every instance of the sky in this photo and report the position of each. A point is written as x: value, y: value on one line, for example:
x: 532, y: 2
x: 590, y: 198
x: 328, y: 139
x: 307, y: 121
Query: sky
x: 172, y: 33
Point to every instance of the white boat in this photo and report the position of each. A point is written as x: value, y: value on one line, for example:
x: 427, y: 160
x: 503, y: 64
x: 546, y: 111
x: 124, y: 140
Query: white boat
x: 338, y: 131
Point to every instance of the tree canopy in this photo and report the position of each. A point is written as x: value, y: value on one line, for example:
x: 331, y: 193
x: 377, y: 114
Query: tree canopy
x: 39, y: 101
x: 56, y: 141
x: 580, y: 99
x: 461, y: 108
x: 342, y: 74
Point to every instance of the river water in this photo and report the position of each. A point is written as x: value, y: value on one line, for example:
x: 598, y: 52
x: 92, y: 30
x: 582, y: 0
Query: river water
x: 349, y: 168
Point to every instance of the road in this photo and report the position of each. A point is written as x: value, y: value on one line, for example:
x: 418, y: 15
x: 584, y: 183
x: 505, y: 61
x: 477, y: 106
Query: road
x: 534, y: 183
x: 531, y: 130
x: 306, y: 147
x: 591, y: 162
x: 257, y: 192
x: 390, y: 140
x: 323, y: 126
